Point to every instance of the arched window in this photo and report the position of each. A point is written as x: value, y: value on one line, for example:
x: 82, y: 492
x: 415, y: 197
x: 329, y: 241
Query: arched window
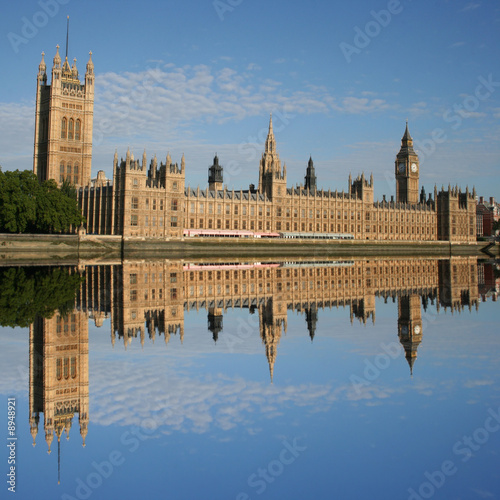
x: 64, y: 126
x: 61, y: 172
x: 66, y: 368
x: 75, y: 171
x: 77, y: 130
x: 73, y: 367
x: 71, y: 128
x: 59, y: 369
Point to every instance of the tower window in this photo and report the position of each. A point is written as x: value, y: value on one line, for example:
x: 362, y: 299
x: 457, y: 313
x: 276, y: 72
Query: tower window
x: 71, y: 128
x: 64, y: 127
x: 77, y: 130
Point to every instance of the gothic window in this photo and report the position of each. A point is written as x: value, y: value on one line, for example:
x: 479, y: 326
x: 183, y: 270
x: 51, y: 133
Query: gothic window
x: 59, y: 369
x: 66, y: 368
x: 77, y: 130
x: 61, y: 168
x: 64, y: 126
x: 68, y: 169
x: 135, y: 203
x: 134, y: 220
x: 73, y: 367
x: 71, y: 127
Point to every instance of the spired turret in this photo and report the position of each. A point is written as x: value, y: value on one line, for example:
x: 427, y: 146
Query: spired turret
x: 272, y: 179
x: 215, y: 178
x: 310, y: 178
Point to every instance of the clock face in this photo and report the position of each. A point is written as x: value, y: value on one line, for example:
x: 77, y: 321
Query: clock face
x: 417, y: 329
x: 404, y: 330
x: 413, y: 167
x: 401, y: 168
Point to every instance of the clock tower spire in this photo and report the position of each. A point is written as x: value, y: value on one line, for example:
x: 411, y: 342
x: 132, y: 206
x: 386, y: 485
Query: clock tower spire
x: 407, y: 171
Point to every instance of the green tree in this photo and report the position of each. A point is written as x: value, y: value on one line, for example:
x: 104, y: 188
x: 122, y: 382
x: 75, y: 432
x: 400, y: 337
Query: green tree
x: 56, y: 211
x: 18, y: 192
x: 30, y: 292
x: 28, y: 206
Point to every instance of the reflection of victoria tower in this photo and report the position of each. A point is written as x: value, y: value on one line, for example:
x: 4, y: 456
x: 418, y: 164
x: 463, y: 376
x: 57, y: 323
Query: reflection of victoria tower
x: 59, y: 376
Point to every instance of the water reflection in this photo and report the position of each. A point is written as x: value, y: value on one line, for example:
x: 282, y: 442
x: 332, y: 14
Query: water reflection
x: 149, y: 300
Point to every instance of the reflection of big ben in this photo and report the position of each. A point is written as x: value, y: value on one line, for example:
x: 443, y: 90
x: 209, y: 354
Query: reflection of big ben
x: 410, y: 326
x: 59, y: 375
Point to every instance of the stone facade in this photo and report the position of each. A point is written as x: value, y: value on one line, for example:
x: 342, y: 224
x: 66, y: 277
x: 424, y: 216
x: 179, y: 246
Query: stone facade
x: 148, y: 300
x: 153, y: 201
x: 147, y: 205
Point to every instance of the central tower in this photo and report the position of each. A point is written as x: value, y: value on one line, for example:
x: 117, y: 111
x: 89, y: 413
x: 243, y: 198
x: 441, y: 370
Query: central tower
x: 272, y: 180
x: 407, y: 171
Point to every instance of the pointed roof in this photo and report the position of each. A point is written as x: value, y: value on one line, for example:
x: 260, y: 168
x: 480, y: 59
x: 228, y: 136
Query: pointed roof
x: 407, y: 135
x: 57, y: 58
x: 90, y: 64
x: 270, y: 141
x: 42, y: 67
x: 406, y: 143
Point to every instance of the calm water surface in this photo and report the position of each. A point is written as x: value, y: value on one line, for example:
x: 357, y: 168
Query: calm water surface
x: 342, y: 379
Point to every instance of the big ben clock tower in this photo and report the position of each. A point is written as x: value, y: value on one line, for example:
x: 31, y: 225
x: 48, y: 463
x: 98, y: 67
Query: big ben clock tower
x: 407, y: 171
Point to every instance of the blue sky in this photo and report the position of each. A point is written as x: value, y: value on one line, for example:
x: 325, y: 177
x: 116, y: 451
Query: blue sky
x: 340, y: 79
x: 207, y: 412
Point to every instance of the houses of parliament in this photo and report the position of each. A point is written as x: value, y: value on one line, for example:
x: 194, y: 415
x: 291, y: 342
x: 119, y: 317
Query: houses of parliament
x: 148, y: 300
x: 151, y: 200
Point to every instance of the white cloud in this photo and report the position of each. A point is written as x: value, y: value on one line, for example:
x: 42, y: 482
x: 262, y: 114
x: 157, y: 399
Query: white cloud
x: 471, y: 6
x: 456, y: 45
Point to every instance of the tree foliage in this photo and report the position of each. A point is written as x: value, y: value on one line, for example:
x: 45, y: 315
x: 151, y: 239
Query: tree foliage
x: 30, y: 292
x: 27, y: 206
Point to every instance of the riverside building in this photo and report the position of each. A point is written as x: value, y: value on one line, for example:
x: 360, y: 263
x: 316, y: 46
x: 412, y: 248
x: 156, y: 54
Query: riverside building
x: 152, y: 200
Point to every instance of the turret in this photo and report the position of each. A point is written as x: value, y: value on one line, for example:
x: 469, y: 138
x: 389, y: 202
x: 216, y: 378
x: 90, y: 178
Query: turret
x: 215, y: 178
x: 310, y: 178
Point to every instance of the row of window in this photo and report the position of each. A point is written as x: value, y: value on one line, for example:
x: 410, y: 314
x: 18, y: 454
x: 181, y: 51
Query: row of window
x: 352, y: 214
x: 134, y: 204
x: 65, y: 367
x: 69, y: 173
x: 71, y: 129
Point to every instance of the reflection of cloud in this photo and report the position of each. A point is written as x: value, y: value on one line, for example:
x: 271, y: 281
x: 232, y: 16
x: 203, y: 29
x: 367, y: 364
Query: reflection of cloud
x: 483, y: 493
x: 166, y: 398
x: 146, y: 394
x: 14, y: 379
x: 471, y: 6
x: 470, y: 384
